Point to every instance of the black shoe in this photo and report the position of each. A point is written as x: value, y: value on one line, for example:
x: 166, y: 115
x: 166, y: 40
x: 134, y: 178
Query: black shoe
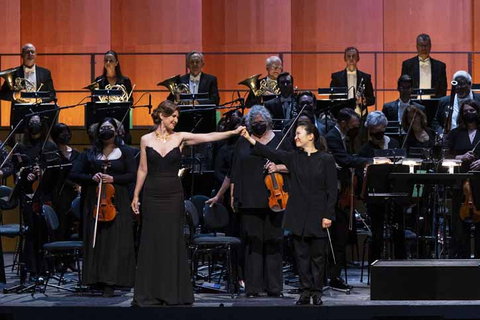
x: 304, y: 299
x: 338, y: 283
x: 317, y: 298
x: 252, y: 295
x: 275, y: 294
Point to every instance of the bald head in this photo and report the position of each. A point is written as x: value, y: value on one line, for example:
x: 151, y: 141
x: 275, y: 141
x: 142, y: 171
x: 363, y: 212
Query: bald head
x: 29, y: 54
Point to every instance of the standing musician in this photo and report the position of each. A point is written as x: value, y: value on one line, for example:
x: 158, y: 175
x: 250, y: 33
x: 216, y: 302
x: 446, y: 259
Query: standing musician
x: 463, y: 145
x: 376, y: 125
x: 34, y: 78
x: 393, y: 110
x: 197, y: 80
x: 111, y: 263
x: 311, y: 204
x: 348, y: 125
x: 418, y: 134
x: 283, y: 106
x: 113, y: 78
x: 261, y: 225
x: 274, y: 67
x: 30, y: 157
x: 463, y: 91
x: 425, y: 71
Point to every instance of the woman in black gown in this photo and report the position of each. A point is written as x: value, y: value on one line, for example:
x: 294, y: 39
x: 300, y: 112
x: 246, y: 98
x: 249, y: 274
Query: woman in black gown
x: 162, y: 275
x: 311, y: 205
x: 112, y: 262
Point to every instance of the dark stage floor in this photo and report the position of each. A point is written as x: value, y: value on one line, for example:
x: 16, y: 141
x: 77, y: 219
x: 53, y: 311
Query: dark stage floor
x: 337, y: 305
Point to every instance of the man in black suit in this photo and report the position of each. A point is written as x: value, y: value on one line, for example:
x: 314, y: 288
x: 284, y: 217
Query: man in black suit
x: 463, y: 92
x: 38, y: 78
x: 274, y: 68
x: 354, y: 80
x: 198, y: 81
x: 425, y: 71
x: 393, y: 110
x: 338, y: 141
x: 283, y: 106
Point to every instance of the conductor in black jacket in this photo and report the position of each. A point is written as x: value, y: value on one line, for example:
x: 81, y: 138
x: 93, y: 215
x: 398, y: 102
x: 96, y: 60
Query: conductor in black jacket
x: 348, y: 124
x: 425, y: 71
x: 393, y: 110
x: 198, y: 81
x: 38, y: 78
x: 352, y: 78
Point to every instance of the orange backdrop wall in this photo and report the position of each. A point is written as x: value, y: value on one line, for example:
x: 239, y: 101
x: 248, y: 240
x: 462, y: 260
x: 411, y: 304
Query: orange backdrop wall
x: 236, y: 36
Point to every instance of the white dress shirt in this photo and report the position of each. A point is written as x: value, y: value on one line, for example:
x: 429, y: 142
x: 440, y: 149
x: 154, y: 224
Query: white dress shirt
x: 425, y: 75
x: 351, y: 82
x: 194, y: 83
x: 456, y: 108
x: 31, y: 75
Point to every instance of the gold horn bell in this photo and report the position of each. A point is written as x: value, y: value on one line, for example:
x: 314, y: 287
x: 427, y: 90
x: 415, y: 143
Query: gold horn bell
x: 251, y: 83
x: 170, y: 83
x: 7, y: 75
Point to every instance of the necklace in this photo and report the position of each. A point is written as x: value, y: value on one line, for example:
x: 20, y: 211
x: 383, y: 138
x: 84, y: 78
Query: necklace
x: 164, y: 138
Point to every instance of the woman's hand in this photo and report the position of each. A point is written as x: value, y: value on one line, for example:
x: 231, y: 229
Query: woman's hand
x: 271, y: 167
x: 97, y: 177
x: 467, y: 157
x: 135, y: 205
x: 326, y: 223
x: 107, y: 178
x: 239, y: 130
x: 247, y: 136
x: 475, y: 165
x: 213, y: 200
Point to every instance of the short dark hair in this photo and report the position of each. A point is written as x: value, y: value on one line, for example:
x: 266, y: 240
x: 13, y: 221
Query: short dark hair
x: 351, y: 48
x: 346, y: 114
x: 58, y: 129
x: 284, y: 74
x: 404, y: 78
x: 424, y: 36
x: 471, y: 103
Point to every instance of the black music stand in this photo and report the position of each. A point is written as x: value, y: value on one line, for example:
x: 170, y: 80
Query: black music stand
x: 338, y: 99
x: 97, y: 111
x: 430, y: 104
x: 20, y: 110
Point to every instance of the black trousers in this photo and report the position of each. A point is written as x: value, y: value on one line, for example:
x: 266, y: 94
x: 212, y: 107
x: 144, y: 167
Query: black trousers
x: 339, y: 234
x: 460, y: 247
x: 397, y: 230
x: 263, y: 250
x: 310, y: 255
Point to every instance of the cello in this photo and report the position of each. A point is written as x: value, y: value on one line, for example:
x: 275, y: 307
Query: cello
x: 104, y: 210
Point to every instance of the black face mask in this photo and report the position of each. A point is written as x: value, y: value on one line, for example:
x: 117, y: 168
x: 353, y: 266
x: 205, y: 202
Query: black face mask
x: 35, y: 128
x: 64, y: 139
x: 259, y: 129
x: 470, y: 117
x: 352, y: 133
x: 106, y: 134
x: 378, y: 135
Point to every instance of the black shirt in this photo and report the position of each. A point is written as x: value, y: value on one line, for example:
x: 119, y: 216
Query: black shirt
x: 412, y: 141
x: 459, y: 143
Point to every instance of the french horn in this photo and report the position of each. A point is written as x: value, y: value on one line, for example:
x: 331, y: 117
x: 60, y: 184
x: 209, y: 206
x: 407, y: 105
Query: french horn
x: 123, y: 98
x: 19, y: 84
x: 263, y: 88
x: 176, y: 88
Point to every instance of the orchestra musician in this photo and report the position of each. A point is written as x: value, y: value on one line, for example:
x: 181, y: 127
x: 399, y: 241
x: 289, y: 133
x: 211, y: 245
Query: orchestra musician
x: 197, y: 80
x: 38, y: 78
x: 339, y: 141
x: 425, y: 71
x: 311, y: 204
x: 393, y: 110
x: 463, y: 92
x: 262, y: 227
x: 111, y: 263
x: 462, y: 145
x: 418, y: 134
x: 274, y: 67
x: 283, y: 106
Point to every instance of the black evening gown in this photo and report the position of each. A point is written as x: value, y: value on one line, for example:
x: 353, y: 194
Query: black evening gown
x: 112, y: 261
x: 162, y: 275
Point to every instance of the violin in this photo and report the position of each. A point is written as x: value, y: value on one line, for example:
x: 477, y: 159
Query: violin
x: 468, y: 212
x: 277, y: 201
x: 104, y: 210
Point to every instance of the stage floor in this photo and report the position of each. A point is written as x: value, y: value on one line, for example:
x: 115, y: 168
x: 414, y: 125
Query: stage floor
x: 337, y: 305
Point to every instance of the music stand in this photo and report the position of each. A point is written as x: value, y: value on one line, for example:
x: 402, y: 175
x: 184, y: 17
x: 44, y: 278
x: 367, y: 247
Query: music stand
x: 338, y: 99
x: 430, y: 104
x: 107, y: 92
x: 97, y: 111
x: 20, y: 110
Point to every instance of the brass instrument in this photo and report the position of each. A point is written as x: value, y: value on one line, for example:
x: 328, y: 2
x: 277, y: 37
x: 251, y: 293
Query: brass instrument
x: 265, y: 87
x: 123, y: 98
x: 360, y: 107
x: 176, y: 88
x: 20, y: 84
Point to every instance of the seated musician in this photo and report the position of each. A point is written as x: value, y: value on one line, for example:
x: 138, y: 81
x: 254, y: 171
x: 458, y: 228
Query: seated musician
x: 414, y: 123
x: 393, y: 110
x: 463, y: 92
x: 113, y: 78
x: 34, y: 78
x: 274, y: 67
x: 283, y: 106
x: 197, y: 80
x: 5, y: 171
x: 376, y: 124
x: 463, y: 145
x: 348, y: 126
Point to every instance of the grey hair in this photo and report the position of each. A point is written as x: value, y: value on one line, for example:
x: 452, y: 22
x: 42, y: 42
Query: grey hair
x: 376, y: 118
x: 254, y: 112
x: 270, y: 60
x: 464, y: 74
x: 191, y: 53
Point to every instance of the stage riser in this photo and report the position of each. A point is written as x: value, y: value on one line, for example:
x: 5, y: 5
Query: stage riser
x: 426, y: 280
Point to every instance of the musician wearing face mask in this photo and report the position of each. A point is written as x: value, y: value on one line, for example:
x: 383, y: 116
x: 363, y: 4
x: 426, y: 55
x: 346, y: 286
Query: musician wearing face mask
x: 262, y: 227
x: 284, y: 106
x: 376, y: 124
x: 414, y: 122
x: 463, y: 144
x: 110, y: 162
x: 339, y: 140
x: 30, y: 160
x: 39, y: 79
